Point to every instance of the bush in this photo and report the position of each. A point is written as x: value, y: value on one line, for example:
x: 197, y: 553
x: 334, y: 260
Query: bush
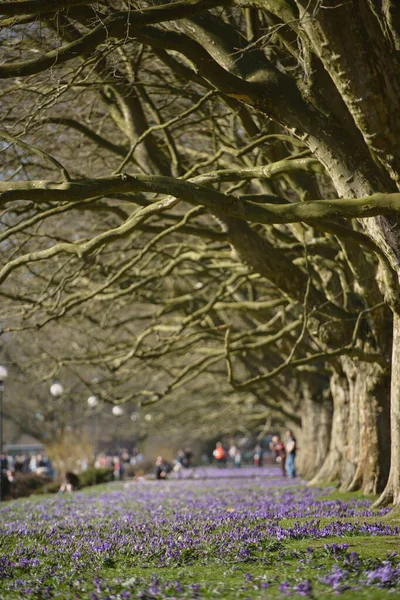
x: 51, y: 487
x: 93, y: 476
x: 25, y: 484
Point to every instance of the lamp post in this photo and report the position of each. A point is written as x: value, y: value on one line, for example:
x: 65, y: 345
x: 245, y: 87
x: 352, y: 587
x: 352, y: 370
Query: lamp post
x: 56, y: 390
x: 93, y: 403
x: 3, y: 461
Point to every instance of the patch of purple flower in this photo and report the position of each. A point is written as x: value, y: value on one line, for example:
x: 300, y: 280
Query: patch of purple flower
x: 335, y: 549
x: 304, y: 588
x: 336, y: 579
x: 386, y: 575
x: 68, y: 546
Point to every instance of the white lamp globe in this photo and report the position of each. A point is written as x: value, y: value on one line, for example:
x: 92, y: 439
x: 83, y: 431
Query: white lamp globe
x: 3, y: 373
x: 56, y: 389
x: 92, y: 401
x: 117, y: 411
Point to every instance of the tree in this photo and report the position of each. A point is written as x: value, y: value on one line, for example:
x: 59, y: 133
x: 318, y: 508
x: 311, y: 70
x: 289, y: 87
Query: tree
x: 223, y: 125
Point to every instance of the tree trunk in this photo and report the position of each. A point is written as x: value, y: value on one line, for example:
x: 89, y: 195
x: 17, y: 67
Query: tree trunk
x: 316, y: 423
x: 358, y: 454
x: 355, y: 389
x: 374, y: 430
x: 391, y: 493
x: 331, y: 469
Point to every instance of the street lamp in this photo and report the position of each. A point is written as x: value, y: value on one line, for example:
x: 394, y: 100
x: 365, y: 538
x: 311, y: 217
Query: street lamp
x: 56, y: 390
x: 3, y: 461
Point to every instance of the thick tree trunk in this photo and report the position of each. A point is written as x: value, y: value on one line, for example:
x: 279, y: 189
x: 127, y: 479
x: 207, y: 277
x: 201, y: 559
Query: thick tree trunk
x: 374, y: 431
x: 316, y: 424
x: 355, y: 389
x: 358, y: 454
x: 391, y: 493
x: 332, y: 467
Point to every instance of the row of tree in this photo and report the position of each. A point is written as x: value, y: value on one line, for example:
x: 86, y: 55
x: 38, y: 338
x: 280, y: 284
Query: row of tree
x: 200, y: 203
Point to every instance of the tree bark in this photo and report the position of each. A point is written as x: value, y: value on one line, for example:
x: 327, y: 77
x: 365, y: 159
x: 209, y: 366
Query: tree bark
x: 358, y: 456
x: 332, y: 467
x: 369, y: 435
x: 316, y: 422
x: 391, y: 493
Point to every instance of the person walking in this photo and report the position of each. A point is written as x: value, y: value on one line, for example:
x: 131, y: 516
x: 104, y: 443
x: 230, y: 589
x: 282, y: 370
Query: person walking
x: 235, y: 455
x: 290, y: 453
x: 258, y: 455
x: 220, y: 454
x: 278, y: 447
x: 180, y: 463
x: 238, y: 458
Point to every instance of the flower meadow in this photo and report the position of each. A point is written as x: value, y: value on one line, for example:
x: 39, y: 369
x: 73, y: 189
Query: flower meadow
x: 227, y: 534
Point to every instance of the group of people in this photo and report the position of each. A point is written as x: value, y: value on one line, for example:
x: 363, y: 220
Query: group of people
x: 123, y: 464
x: 120, y: 462
x: 24, y: 463
x: 284, y: 455
x: 223, y: 457
x: 284, y: 452
x: 183, y: 460
x: 12, y: 466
